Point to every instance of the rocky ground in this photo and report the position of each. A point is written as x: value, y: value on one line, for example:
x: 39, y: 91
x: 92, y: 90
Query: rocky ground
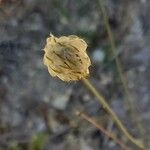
x: 38, y: 111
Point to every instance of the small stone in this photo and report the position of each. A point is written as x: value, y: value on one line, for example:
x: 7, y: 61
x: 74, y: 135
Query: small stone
x: 98, y: 55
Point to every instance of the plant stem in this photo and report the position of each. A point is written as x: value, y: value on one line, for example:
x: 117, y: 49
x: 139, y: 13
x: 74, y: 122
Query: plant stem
x: 130, y: 101
x: 106, y: 106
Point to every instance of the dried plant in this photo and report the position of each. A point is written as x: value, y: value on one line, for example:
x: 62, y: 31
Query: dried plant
x: 67, y: 59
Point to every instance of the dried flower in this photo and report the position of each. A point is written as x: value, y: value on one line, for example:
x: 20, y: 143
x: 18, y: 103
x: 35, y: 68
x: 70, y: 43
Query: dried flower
x: 66, y: 57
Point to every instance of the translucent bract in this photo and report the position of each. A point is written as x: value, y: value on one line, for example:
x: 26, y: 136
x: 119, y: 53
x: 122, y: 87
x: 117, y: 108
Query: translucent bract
x: 66, y: 57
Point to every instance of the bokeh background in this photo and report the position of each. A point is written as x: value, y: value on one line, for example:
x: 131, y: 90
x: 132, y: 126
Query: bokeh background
x: 37, y: 112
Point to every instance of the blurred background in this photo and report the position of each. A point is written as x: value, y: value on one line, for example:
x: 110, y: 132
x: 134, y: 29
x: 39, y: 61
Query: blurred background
x: 37, y: 112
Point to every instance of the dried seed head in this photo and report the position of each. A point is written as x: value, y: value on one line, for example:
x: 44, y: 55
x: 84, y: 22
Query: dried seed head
x: 66, y: 57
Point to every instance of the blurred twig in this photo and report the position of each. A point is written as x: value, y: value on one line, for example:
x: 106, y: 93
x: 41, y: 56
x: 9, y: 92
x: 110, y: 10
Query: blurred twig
x: 102, y: 129
x: 9, y: 8
x: 130, y: 102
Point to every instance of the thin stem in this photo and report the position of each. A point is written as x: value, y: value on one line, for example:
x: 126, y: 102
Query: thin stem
x: 106, y: 106
x: 102, y: 129
x: 119, y: 69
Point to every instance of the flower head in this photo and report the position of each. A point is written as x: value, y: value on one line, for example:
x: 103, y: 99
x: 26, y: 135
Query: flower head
x: 66, y: 57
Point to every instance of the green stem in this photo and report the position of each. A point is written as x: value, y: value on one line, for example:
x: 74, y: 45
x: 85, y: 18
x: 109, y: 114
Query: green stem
x: 106, y: 106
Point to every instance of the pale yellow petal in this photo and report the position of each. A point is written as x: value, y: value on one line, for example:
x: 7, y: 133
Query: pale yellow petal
x: 73, y: 41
